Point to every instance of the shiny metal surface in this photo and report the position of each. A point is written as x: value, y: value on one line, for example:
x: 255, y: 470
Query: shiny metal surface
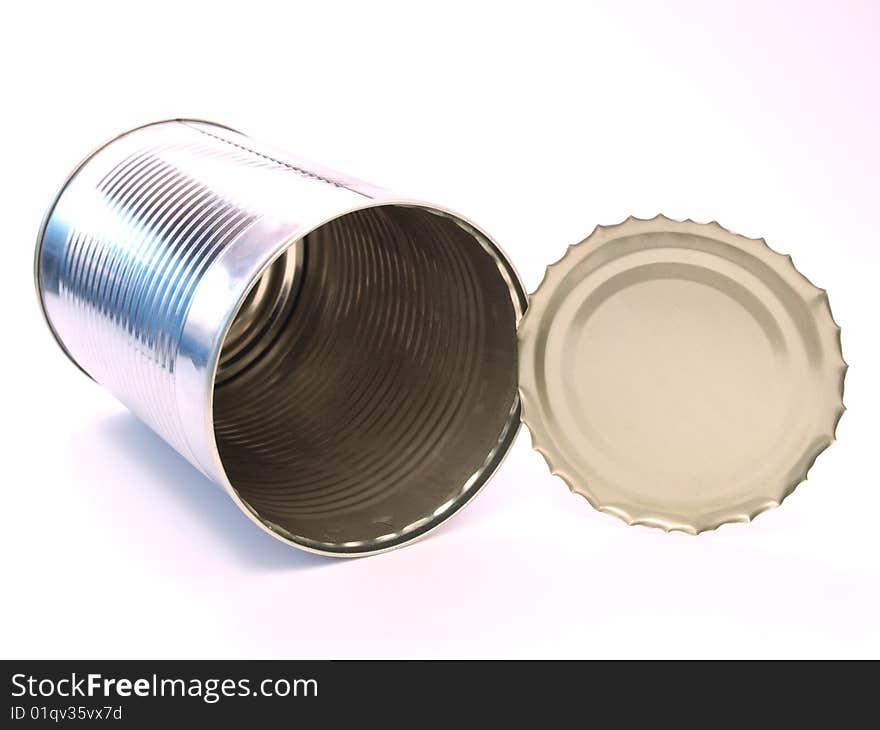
x: 342, y: 361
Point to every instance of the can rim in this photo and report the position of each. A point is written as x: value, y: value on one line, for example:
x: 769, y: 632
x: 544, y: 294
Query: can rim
x: 495, y: 458
x: 41, y: 234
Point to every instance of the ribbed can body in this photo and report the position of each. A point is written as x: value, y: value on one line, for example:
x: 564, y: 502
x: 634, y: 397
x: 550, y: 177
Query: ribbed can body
x: 134, y: 233
x: 171, y: 262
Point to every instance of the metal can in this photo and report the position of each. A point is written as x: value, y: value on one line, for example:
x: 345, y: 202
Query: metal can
x: 341, y: 360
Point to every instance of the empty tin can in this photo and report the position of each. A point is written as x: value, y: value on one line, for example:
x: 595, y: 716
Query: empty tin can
x: 342, y: 361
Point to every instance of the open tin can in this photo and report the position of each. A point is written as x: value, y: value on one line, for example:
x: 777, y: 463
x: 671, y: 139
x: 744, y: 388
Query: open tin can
x: 349, y: 365
x: 342, y: 361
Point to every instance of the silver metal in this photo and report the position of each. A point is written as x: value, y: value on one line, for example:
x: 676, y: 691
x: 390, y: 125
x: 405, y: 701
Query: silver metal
x: 341, y: 360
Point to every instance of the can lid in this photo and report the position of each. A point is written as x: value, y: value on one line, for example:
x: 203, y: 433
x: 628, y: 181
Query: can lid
x: 678, y: 375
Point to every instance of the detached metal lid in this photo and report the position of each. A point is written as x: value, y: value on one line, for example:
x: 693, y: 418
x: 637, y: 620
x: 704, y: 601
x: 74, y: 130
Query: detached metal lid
x: 678, y: 375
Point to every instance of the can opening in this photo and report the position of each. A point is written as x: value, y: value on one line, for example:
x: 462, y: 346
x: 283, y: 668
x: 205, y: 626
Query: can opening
x: 368, y: 384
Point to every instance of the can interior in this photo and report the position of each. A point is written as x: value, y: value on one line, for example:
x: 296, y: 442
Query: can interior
x: 368, y: 384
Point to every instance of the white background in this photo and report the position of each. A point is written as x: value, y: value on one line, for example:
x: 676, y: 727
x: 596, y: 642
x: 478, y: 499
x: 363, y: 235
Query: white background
x: 537, y: 121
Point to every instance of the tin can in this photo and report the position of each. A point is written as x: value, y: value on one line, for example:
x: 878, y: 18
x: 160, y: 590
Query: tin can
x: 341, y: 360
